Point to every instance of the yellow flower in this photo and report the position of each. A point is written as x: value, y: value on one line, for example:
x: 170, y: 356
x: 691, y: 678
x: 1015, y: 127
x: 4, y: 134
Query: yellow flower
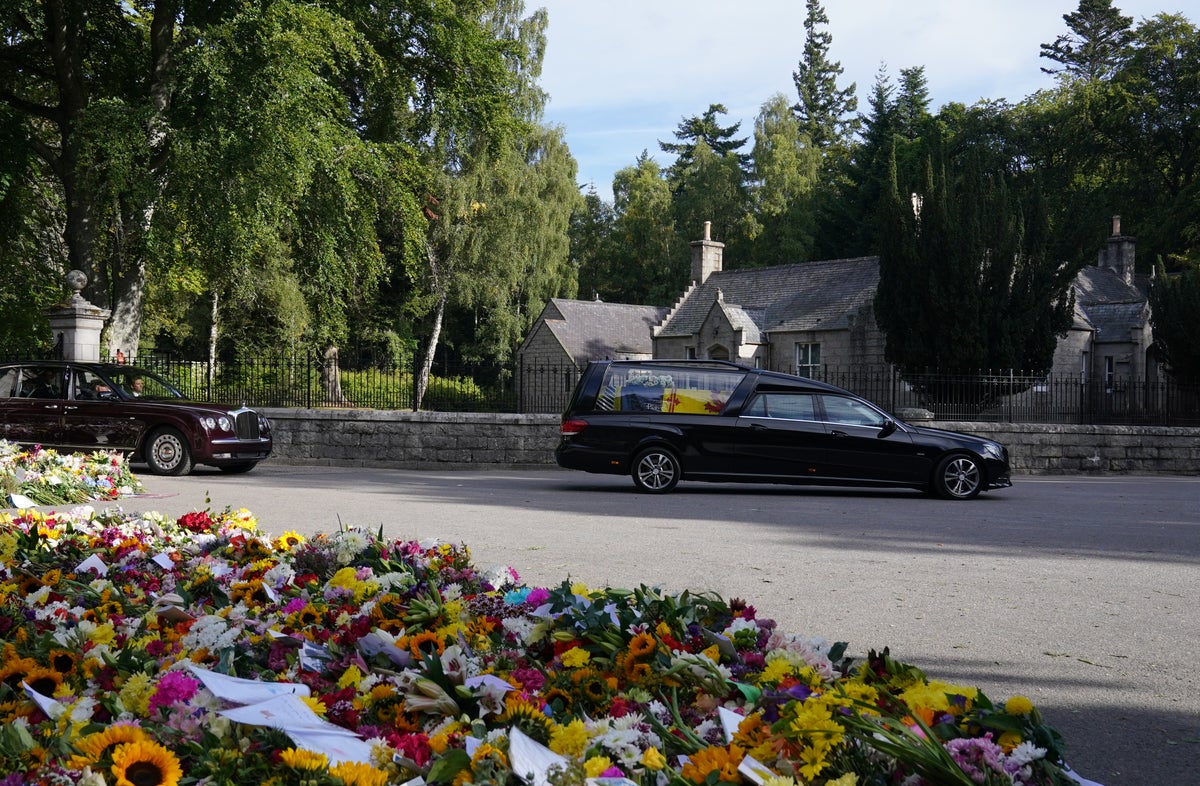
x: 849, y: 779
x: 135, y: 694
x: 653, y: 760
x: 355, y: 773
x: 95, y: 746
x: 570, y: 740
x: 304, y: 760
x: 723, y: 762
x: 576, y: 657
x: 145, y: 763
x: 1018, y: 705
x: 288, y: 541
x: 315, y: 704
x: 1009, y: 740
x: 596, y: 765
x: 350, y: 677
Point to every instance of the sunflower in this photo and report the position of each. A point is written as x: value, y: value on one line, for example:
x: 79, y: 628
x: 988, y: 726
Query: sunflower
x: 355, y: 773
x: 44, y: 681
x: 304, y: 760
x: 642, y: 645
x: 424, y: 643
x: 722, y: 761
x: 96, y: 746
x: 528, y: 717
x: 145, y: 763
x: 63, y: 661
x: 13, y: 672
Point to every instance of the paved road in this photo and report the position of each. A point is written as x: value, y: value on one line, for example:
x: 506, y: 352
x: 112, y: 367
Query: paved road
x: 1076, y: 591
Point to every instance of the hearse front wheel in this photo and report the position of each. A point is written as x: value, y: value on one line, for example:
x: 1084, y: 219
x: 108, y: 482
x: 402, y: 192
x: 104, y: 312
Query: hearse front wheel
x: 656, y: 471
x: 958, y: 476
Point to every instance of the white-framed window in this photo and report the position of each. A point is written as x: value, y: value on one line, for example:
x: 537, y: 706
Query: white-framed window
x: 808, y: 359
x: 690, y: 354
x: 1109, y: 373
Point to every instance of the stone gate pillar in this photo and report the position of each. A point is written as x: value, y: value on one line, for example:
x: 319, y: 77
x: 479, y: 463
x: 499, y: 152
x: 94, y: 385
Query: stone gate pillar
x: 76, y: 324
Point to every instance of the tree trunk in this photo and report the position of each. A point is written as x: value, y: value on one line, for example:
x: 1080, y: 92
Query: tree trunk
x: 430, y: 350
x: 331, y: 378
x: 213, y: 334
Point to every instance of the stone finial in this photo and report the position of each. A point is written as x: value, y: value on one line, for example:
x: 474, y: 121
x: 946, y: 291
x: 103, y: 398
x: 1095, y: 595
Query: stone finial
x: 708, y: 230
x: 1116, y: 226
x: 76, y: 280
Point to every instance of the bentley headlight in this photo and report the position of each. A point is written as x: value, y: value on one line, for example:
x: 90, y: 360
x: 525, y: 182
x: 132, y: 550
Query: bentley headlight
x: 225, y: 423
x: 208, y: 422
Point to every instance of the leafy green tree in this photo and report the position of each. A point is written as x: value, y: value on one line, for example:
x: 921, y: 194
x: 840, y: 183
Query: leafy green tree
x: 92, y: 82
x: 1175, y: 305
x: 786, y: 166
x: 647, y: 265
x: 1096, y: 44
x: 592, y: 248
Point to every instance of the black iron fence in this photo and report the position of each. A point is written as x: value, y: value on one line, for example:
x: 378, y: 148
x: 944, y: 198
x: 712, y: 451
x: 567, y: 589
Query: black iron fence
x: 1012, y: 397
x: 540, y: 387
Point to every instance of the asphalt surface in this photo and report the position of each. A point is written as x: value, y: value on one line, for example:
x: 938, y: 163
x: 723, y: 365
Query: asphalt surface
x: 1078, y: 592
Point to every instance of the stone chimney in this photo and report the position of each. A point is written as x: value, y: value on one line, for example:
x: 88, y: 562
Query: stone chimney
x: 706, y: 255
x: 1117, y: 253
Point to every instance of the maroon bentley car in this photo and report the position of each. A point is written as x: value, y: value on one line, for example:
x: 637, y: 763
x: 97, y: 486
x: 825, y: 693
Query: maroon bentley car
x: 71, y: 406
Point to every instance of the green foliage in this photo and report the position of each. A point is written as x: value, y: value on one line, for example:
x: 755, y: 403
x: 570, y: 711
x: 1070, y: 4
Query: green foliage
x: 965, y: 280
x: 786, y: 167
x: 1096, y: 44
x: 1175, y: 304
x: 826, y: 111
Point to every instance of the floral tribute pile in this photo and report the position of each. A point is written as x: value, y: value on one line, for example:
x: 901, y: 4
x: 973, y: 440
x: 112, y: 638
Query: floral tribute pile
x: 145, y: 651
x: 46, y: 477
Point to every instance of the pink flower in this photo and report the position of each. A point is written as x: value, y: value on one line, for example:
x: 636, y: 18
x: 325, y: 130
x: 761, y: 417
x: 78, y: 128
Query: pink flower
x: 174, y: 687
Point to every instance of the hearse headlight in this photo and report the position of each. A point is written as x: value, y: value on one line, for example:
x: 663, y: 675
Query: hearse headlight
x: 992, y: 450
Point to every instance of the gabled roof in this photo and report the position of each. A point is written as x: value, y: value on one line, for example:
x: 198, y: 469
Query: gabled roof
x: 1110, y: 305
x: 804, y: 296
x: 594, y: 330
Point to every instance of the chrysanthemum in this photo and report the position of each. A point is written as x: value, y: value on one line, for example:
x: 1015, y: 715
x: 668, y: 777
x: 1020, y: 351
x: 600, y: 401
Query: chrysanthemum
x: 145, y: 763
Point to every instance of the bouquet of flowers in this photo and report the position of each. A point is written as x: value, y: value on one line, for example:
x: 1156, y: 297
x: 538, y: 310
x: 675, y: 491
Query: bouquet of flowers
x: 46, y: 477
x: 149, y: 651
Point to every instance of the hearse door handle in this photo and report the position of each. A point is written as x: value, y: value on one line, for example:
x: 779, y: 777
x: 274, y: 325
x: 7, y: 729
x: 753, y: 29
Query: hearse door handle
x: 70, y: 408
x: 837, y: 433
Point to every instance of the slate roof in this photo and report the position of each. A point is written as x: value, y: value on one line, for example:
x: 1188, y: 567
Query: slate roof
x: 594, y: 330
x: 804, y: 296
x: 1111, y: 306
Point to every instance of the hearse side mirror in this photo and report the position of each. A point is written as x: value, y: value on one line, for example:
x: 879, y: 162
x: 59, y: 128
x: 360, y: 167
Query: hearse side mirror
x: 888, y: 427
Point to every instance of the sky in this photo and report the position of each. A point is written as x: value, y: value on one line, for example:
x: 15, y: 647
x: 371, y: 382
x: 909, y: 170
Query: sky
x: 622, y: 74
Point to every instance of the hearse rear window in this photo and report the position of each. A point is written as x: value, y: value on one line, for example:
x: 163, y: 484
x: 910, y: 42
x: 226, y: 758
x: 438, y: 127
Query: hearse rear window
x: 694, y: 391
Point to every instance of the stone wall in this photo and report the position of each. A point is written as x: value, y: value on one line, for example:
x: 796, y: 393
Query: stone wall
x: 448, y: 440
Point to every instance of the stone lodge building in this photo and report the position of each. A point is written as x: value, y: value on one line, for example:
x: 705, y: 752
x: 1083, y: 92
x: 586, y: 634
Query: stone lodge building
x: 812, y: 318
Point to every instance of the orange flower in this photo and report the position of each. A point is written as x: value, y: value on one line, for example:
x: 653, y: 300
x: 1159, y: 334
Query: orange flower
x: 722, y: 761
